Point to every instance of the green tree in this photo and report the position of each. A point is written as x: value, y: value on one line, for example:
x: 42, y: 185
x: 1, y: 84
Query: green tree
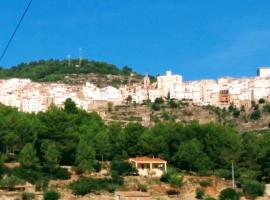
x: 102, y: 145
x: 261, y: 101
x: 51, y: 155
x: 110, y: 106
x: 70, y: 106
x: 85, y: 156
x: 252, y: 188
x: 255, y: 115
x: 28, y: 157
x: 190, y: 156
x: 199, y: 193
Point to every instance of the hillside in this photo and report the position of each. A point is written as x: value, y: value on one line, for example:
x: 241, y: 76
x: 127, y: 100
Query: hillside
x: 58, y: 70
x: 150, y: 114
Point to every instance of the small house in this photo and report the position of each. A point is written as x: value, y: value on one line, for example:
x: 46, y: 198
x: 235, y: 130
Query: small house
x: 149, y: 166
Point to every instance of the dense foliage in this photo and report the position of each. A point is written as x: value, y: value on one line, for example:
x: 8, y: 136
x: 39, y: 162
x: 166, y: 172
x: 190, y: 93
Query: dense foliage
x: 229, y: 193
x: 54, y: 70
x: 44, y: 141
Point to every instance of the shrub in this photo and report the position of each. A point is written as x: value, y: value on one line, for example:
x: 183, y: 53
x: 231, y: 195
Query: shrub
x: 252, y: 188
x: 199, y: 193
x: 142, y: 187
x: 261, y: 101
x: 236, y: 113
x: 173, y: 104
x: 223, y: 173
x: 123, y: 168
x: 172, y: 192
x: 11, y: 181
x: 61, y: 173
x: 175, y: 180
x: 156, y: 106
x: 116, y: 178
x: 205, y: 183
x: 266, y: 108
x: 172, y: 177
x: 28, y: 196
x: 209, y: 198
x: 255, y: 115
x: 51, y: 195
x: 159, y: 100
x: 110, y: 106
x: 97, y: 166
x: 229, y: 193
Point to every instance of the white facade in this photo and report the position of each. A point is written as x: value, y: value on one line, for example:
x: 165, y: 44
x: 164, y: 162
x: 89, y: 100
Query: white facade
x: 263, y: 72
x: 168, y: 82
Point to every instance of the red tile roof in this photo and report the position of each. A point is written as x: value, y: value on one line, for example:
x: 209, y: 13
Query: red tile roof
x: 147, y: 159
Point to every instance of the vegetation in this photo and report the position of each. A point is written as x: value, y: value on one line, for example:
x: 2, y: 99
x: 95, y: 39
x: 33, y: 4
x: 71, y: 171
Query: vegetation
x: 28, y: 196
x: 51, y: 195
x: 252, y: 188
x: 87, y: 185
x: 229, y: 193
x: 255, y: 115
x: 44, y: 141
x: 199, y: 193
x: 55, y: 70
x: 172, y: 177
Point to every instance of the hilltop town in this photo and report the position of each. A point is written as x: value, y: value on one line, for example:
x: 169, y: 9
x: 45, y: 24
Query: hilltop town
x: 29, y: 96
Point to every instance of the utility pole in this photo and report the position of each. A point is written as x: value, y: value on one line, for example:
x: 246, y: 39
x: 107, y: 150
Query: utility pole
x: 233, y: 185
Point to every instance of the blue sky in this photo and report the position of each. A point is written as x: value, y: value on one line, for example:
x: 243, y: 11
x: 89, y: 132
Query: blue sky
x: 196, y: 38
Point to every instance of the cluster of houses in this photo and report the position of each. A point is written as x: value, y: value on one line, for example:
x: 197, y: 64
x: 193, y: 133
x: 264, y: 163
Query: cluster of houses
x: 30, y: 96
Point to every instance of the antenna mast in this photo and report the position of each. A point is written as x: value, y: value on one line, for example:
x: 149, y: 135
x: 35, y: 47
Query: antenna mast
x: 80, y: 59
x: 69, y: 60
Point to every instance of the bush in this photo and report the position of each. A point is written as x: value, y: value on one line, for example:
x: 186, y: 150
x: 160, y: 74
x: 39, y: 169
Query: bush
x: 172, y: 192
x: 142, y: 187
x: 159, y: 100
x: 84, y: 185
x: 223, y: 173
x: 97, y: 166
x: 252, y: 188
x: 172, y: 177
x: 123, y: 168
x: 116, y: 178
x: 61, y: 173
x: 205, y: 183
x: 199, y: 193
x: 51, y: 195
x: 236, y: 113
x: 28, y: 196
x: 209, y: 198
x: 255, y: 115
x: 261, y: 101
x: 229, y: 193
x: 173, y: 104
x: 175, y: 180
x: 11, y: 181
x: 156, y: 106
x: 266, y: 108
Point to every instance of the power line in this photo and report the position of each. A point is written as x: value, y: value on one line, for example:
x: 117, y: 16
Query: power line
x: 16, y: 28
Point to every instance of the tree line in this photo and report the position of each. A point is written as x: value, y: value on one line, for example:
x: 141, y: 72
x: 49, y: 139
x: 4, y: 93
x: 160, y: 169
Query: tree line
x: 55, y: 70
x: 70, y: 136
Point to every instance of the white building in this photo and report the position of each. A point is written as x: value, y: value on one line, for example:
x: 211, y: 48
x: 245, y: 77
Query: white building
x: 169, y: 83
x: 263, y: 72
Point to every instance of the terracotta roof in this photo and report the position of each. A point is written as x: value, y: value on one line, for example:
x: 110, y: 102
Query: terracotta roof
x: 146, y: 159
